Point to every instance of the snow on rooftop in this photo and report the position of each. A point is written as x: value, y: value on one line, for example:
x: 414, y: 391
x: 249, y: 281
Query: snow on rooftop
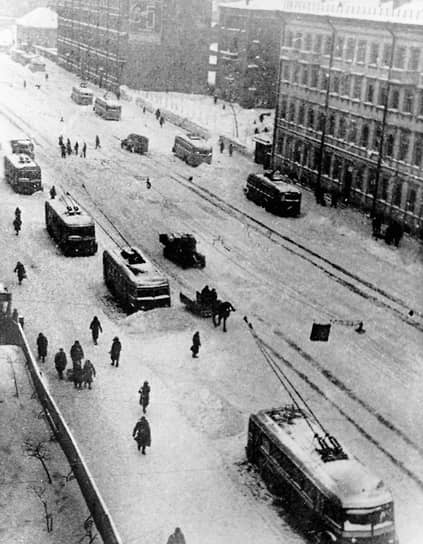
x: 370, y: 10
x: 39, y: 18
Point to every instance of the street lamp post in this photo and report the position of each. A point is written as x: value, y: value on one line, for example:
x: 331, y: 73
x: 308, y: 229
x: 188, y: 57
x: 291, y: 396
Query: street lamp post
x: 382, y: 135
x: 318, y: 188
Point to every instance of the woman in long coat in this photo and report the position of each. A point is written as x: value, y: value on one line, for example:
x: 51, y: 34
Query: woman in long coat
x: 88, y: 373
x: 42, y: 344
x: 142, y: 434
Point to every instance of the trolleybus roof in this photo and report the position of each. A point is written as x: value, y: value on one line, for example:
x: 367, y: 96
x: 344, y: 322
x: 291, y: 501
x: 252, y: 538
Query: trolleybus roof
x: 72, y: 215
x: 138, y: 267
x: 278, y: 183
x: 20, y: 160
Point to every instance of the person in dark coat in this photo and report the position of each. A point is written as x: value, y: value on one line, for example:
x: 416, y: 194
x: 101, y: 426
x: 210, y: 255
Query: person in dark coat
x: 231, y: 149
x: 144, y: 392
x: 84, y: 150
x: 20, y: 271
x: 95, y: 327
x: 115, y: 351
x: 196, y: 343
x: 177, y: 537
x: 18, y: 212
x: 68, y: 147
x: 157, y: 114
x: 97, y: 141
x: 142, y: 434
x: 88, y: 373
x: 53, y: 192
x: 60, y: 362
x: 162, y: 120
x: 42, y: 344
x: 61, y: 141
x: 76, y: 352
x: 63, y: 151
x: 222, y: 146
x: 17, y: 224
x: 76, y: 148
x: 77, y: 374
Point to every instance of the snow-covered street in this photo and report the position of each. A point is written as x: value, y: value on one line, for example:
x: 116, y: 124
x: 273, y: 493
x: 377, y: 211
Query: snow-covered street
x: 366, y: 388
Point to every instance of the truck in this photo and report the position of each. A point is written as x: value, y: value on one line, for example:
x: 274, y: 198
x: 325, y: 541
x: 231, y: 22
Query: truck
x: 181, y: 248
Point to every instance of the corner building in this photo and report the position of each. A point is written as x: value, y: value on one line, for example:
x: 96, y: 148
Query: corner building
x: 160, y: 45
x: 350, y: 108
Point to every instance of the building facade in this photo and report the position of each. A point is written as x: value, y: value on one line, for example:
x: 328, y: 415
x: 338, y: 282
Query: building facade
x: 349, y: 117
x: 150, y: 44
x: 38, y: 27
x: 248, y: 56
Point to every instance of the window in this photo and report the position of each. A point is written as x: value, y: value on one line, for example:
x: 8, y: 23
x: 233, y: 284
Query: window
x: 337, y: 168
x: 420, y: 110
x: 332, y: 124
x: 394, y: 101
x: 359, y: 177
x: 327, y: 45
x: 335, y: 82
x: 345, y: 85
x: 296, y: 73
x: 370, y: 91
x: 358, y: 80
x: 361, y: 51
x: 327, y: 159
x: 386, y: 55
x: 279, y: 145
x: 322, y: 120
x: 385, y: 187
x: 349, y: 53
x: 286, y: 71
x: 283, y: 106
x: 301, y: 114
x: 297, y: 151
x: 382, y: 95
x: 342, y: 128
x: 408, y: 102
x: 418, y: 150
x: 414, y: 59
x: 411, y: 200
x: 397, y: 194
x: 291, y: 116
x: 314, y: 77
x: 298, y: 41
x: 323, y: 79
x: 307, y: 42
x: 318, y: 41
x: 376, y: 138
x: 399, y: 57
x: 352, y: 133
x: 389, y: 144
x: 339, y: 46
x: 374, y: 53
x: 289, y: 38
x: 364, y: 138
x: 404, y: 143
x: 310, y: 121
x: 304, y: 79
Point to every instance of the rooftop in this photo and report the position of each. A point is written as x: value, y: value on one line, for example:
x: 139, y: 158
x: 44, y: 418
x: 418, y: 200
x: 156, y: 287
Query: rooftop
x: 39, y: 18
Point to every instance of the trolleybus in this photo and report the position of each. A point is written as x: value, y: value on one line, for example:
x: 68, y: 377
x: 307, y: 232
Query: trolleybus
x: 345, y: 500
x: 22, y: 173
x: 192, y: 149
x: 107, y: 108
x: 134, y: 281
x: 276, y: 195
x: 82, y: 95
x: 71, y: 227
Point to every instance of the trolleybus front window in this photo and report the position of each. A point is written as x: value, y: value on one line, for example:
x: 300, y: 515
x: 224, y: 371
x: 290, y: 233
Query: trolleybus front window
x: 365, y: 519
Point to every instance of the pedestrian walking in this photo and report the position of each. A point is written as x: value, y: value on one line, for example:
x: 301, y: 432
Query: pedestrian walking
x: 88, y: 373
x: 63, y: 151
x: 68, y: 147
x: 77, y: 374
x: 46, y: 77
x: 76, y: 148
x: 97, y: 141
x: 42, y: 344
x: 53, y: 192
x: 157, y: 114
x: 161, y: 121
x: 115, y: 351
x: 20, y: 272
x: 148, y: 183
x: 60, y: 362
x: 18, y: 212
x: 195, y: 348
x: 144, y: 109
x: 60, y: 141
x: 96, y: 328
x: 17, y: 224
x: 76, y: 352
x: 222, y: 146
x: 24, y: 83
x: 62, y: 120
x: 177, y: 537
x: 215, y: 99
x: 231, y: 149
x: 142, y: 434
x: 84, y: 151
x: 144, y: 393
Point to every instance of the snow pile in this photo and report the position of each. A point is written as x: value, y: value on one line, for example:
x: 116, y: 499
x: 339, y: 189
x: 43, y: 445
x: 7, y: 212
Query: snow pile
x: 158, y: 320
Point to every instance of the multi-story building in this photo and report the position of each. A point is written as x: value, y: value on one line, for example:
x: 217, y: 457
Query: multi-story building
x: 349, y: 116
x: 249, y: 43
x: 148, y: 44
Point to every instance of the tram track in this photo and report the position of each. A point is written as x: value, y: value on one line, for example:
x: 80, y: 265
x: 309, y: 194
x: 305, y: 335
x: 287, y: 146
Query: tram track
x: 260, y: 227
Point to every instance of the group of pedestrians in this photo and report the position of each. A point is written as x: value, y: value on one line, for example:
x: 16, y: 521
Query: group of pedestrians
x: 160, y: 118
x: 66, y: 149
x: 230, y: 147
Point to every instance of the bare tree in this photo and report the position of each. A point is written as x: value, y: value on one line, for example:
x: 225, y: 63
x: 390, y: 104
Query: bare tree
x: 40, y: 451
x: 40, y: 491
x: 88, y: 528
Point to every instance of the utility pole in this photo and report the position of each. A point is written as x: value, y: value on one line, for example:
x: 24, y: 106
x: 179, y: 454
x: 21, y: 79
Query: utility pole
x: 382, y: 135
x: 278, y: 89
x: 318, y: 188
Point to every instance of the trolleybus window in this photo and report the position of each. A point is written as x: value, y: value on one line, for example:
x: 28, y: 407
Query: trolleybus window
x: 107, y: 108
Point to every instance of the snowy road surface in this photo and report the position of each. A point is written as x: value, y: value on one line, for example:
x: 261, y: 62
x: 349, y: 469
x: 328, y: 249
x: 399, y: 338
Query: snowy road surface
x: 366, y: 388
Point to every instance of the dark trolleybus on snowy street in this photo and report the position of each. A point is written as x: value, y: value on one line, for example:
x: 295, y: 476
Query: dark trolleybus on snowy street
x: 82, y: 96
x: 22, y: 173
x: 108, y: 108
x: 346, y: 501
x: 276, y: 195
x: 192, y: 149
x: 71, y: 227
x: 134, y: 280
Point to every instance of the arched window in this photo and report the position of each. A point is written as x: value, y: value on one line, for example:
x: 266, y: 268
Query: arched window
x: 364, y: 138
